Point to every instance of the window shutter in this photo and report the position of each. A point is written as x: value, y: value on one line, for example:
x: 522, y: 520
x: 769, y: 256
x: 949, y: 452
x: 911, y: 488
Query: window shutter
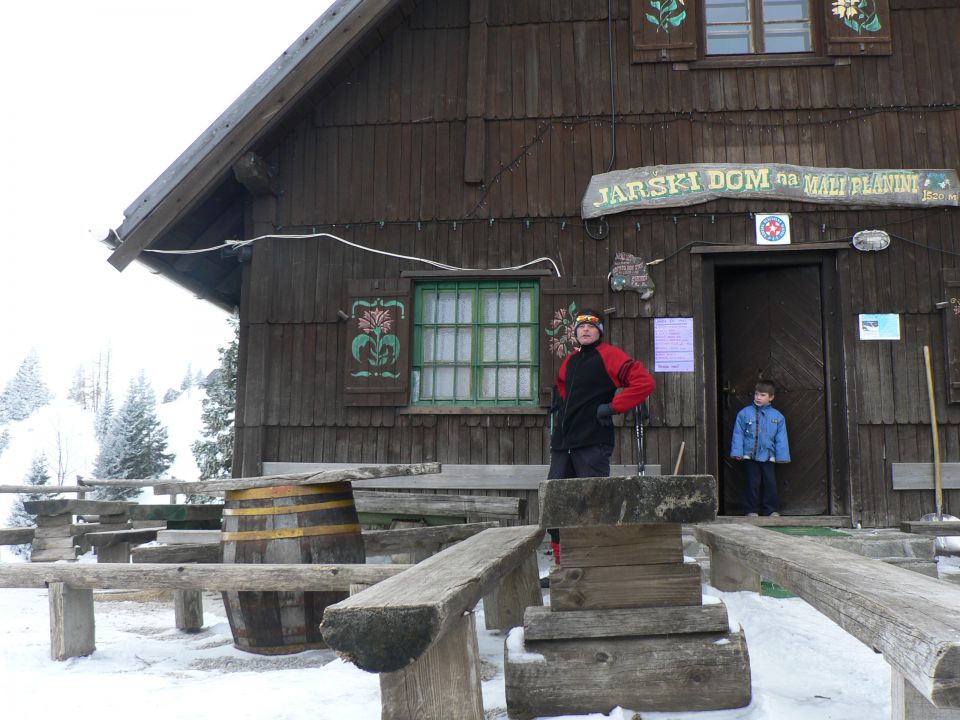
x: 377, y: 367
x: 951, y: 332
x: 865, y: 33
x: 663, y: 30
x: 560, y: 300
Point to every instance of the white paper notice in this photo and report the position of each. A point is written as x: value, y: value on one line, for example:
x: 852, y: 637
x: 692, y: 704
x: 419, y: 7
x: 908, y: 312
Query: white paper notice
x: 673, y: 344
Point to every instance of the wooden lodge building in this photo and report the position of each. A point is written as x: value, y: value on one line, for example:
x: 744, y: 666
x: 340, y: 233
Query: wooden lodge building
x: 487, y: 134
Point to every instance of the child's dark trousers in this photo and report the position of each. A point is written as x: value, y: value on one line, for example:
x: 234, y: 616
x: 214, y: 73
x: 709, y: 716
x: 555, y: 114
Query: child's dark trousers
x: 760, y: 495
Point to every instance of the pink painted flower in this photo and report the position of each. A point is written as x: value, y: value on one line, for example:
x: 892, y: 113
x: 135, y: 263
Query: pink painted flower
x: 376, y: 319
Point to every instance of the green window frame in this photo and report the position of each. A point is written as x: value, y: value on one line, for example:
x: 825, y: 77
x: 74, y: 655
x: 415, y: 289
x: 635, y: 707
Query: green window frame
x: 476, y: 343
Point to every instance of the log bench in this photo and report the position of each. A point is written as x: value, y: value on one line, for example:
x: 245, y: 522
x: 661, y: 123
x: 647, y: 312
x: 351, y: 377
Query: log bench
x: 70, y: 587
x: 416, y: 628
x: 912, y: 619
x: 203, y: 546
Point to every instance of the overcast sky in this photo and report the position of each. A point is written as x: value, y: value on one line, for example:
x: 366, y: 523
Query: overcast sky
x: 100, y: 97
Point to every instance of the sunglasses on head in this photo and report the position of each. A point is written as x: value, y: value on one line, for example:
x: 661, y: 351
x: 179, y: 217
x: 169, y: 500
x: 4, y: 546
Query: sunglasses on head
x: 592, y: 319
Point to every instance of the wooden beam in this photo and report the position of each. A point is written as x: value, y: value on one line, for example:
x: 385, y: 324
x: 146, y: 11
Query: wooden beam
x: 919, y: 476
x: 912, y: 619
x: 306, y: 478
x: 178, y: 513
x: 390, y: 625
x: 16, y: 535
x: 194, y: 577
x: 42, y: 489
x: 107, y: 539
x: 256, y: 175
x: 542, y: 623
x: 75, y: 507
x: 471, y: 506
x: 933, y: 528
x: 453, y: 476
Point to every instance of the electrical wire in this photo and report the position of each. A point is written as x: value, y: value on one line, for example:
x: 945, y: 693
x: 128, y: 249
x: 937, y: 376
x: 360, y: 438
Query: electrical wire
x: 613, y: 89
x: 308, y: 236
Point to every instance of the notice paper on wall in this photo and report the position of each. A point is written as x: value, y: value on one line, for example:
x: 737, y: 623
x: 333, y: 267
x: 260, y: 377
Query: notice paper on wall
x: 673, y: 345
x: 880, y: 326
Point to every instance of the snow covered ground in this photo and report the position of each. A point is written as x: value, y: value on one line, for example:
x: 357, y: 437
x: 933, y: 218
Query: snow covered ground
x: 804, y: 667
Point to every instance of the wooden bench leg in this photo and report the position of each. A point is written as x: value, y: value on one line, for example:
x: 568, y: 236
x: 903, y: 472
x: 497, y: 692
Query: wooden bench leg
x: 444, y: 683
x: 906, y: 702
x: 728, y: 574
x: 503, y: 608
x: 71, y: 621
x: 188, y: 610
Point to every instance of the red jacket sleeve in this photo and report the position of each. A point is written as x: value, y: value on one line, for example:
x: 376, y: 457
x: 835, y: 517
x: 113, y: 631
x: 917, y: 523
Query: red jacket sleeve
x: 562, y: 377
x: 629, y: 374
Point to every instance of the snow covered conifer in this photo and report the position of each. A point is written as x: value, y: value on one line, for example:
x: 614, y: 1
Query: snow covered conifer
x: 25, y: 393
x: 135, y: 445
x: 214, y: 451
x: 38, y: 474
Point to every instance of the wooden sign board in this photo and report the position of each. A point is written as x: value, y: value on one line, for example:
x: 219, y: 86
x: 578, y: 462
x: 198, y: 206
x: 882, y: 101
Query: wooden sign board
x: 681, y: 185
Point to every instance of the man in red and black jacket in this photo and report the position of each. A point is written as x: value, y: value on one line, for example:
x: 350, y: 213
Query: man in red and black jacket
x: 583, y: 436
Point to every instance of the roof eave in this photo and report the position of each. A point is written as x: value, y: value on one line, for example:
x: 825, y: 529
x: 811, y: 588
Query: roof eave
x: 181, y: 186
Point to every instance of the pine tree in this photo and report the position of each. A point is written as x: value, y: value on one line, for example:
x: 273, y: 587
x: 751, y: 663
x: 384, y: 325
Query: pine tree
x: 4, y: 440
x: 187, y: 383
x: 78, y: 389
x: 104, y: 418
x: 25, y: 393
x: 135, y: 447
x: 214, y: 452
x: 38, y: 474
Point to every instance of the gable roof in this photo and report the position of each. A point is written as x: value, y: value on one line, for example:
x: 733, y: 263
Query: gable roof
x: 201, y: 179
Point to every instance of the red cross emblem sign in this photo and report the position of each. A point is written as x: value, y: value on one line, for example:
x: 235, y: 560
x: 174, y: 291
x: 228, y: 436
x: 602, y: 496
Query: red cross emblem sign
x: 773, y: 228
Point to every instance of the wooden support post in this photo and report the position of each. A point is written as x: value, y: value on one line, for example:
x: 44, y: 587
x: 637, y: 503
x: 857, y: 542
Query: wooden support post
x: 411, y: 557
x: 116, y: 553
x: 443, y: 683
x: 503, y: 608
x: 906, y: 703
x: 188, y: 610
x: 730, y: 575
x: 71, y: 621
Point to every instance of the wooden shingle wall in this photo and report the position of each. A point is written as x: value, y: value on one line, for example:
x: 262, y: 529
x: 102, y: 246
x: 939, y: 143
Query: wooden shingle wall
x: 386, y: 142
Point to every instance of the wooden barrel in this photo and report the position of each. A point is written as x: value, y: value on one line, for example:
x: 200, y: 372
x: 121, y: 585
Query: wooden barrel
x: 299, y: 524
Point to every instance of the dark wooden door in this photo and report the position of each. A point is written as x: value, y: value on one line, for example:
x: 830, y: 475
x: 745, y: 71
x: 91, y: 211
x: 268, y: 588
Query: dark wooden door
x: 770, y: 326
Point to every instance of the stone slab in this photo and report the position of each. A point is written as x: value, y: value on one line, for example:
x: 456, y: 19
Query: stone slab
x: 585, y: 502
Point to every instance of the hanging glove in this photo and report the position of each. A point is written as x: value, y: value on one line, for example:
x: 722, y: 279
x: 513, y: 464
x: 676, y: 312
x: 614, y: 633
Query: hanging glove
x: 605, y: 415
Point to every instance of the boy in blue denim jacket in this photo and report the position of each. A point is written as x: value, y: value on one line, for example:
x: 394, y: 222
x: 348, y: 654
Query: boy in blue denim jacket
x: 760, y: 440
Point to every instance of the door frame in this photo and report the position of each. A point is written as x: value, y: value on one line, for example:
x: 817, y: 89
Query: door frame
x: 838, y: 480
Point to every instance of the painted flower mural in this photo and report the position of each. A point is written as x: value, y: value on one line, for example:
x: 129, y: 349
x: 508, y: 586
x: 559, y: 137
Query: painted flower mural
x: 666, y: 14
x: 858, y: 15
x: 375, y: 346
x: 560, y: 331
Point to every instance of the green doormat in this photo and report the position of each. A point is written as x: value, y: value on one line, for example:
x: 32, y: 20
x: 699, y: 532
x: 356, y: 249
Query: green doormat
x: 771, y: 589
x: 810, y: 530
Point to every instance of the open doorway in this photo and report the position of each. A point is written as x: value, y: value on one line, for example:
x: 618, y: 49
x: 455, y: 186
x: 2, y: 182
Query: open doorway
x: 772, y: 323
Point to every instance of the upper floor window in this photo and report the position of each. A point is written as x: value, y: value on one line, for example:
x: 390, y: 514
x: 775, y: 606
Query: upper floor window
x: 755, y: 27
x: 475, y: 343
